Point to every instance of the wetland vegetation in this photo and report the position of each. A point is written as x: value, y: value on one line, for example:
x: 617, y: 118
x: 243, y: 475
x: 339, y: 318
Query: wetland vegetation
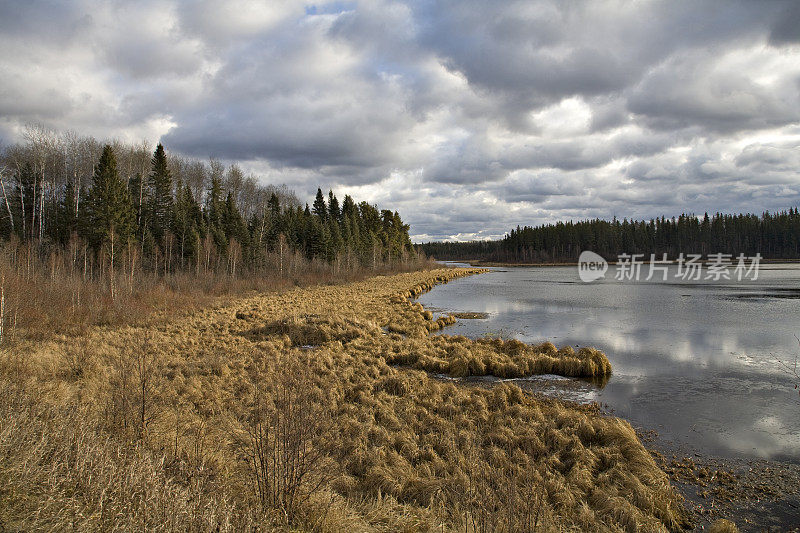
x: 312, y: 409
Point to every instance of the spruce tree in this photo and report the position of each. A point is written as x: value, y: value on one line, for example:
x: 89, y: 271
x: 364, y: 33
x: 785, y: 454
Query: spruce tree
x: 184, y: 220
x: 233, y: 223
x: 214, y: 202
x: 349, y: 207
x: 320, y: 209
x: 66, y: 217
x: 135, y: 192
x: 276, y: 223
x: 160, y: 194
x: 274, y: 205
x: 108, y: 211
x: 335, y: 242
x: 333, y: 207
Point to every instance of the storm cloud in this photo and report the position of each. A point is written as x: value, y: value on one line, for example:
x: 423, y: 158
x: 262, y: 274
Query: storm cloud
x: 468, y: 117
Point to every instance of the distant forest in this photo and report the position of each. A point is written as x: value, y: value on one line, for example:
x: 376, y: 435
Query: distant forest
x: 773, y: 235
x: 166, y: 213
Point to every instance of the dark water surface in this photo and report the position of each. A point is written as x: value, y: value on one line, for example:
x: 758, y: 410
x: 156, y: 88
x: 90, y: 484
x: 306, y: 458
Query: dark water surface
x: 697, y: 362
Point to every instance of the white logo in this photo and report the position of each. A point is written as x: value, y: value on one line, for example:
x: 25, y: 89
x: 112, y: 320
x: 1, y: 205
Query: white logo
x: 591, y: 266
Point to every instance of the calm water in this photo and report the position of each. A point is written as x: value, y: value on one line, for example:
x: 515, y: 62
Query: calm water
x: 696, y: 362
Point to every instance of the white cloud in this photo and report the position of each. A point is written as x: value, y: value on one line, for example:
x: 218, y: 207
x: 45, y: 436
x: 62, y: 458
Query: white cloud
x: 468, y: 117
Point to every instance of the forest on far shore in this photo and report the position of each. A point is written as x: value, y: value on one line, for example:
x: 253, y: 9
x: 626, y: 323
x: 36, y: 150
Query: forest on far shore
x: 773, y: 235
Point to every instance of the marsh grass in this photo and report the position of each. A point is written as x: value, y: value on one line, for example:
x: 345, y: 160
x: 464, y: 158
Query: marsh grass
x: 289, y: 411
x: 723, y: 526
x: 60, y: 471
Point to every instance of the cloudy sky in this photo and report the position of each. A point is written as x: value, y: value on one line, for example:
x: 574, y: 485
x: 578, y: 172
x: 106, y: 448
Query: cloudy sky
x: 469, y: 117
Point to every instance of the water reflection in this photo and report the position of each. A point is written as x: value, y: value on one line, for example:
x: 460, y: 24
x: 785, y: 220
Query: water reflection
x: 695, y: 361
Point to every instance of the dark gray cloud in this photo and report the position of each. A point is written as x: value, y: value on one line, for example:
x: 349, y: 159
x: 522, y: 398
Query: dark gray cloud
x: 469, y: 117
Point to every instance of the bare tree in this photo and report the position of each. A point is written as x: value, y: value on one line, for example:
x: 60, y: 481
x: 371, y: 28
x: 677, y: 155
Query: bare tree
x: 43, y: 143
x: 196, y: 178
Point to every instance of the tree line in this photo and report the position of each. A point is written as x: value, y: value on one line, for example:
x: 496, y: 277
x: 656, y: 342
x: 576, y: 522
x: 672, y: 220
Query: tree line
x: 773, y: 235
x: 119, y: 202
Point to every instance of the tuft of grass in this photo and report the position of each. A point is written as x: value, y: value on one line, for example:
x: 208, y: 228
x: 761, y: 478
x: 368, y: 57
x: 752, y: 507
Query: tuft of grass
x: 723, y: 526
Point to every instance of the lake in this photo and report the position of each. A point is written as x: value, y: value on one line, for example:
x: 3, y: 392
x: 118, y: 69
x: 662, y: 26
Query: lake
x: 699, y: 362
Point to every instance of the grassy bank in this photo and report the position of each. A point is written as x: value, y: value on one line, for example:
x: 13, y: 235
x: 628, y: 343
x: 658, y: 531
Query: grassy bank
x: 312, y: 409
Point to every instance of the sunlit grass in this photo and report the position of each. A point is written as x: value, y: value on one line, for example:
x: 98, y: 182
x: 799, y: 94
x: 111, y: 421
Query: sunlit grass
x: 178, y: 409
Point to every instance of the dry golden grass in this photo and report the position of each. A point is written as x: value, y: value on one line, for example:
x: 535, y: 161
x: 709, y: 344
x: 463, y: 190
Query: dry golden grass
x: 133, y: 427
x: 723, y: 526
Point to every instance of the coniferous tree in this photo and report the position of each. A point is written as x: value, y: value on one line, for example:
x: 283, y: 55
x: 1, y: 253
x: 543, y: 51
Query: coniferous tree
x: 773, y: 235
x: 135, y: 188
x: 161, y: 207
x: 232, y: 222
x: 320, y: 209
x: 108, y: 214
x: 274, y: 206
x: 66, y: 215
x: 335, y: 243
x: 276, y: 223
x: 333, y: 207
x: 214, y: 202
x: 159, y: 195
x: 185, y: 221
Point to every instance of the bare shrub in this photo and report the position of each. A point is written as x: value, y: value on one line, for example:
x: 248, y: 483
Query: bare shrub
x: 286, y: 430
x: 134, y: 371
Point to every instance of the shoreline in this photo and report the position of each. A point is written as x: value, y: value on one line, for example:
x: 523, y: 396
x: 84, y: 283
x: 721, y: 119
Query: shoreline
x: 409, y: 448
x: 482, y: 264
x: 755, y: 493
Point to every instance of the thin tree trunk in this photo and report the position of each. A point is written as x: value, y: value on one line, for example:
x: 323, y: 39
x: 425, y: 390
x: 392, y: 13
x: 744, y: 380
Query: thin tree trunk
x: 22, y: 206
x: 8, y: 206
x: 111, y: 268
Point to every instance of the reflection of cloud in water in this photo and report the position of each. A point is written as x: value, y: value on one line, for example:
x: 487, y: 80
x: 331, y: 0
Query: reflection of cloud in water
x: 729, y: 416
x: 769, y: 437
x: 694, y: 362
x: 626, y: 344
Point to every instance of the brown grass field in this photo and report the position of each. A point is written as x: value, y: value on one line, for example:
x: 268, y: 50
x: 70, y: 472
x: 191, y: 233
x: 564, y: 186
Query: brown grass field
x: 312, y: 410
